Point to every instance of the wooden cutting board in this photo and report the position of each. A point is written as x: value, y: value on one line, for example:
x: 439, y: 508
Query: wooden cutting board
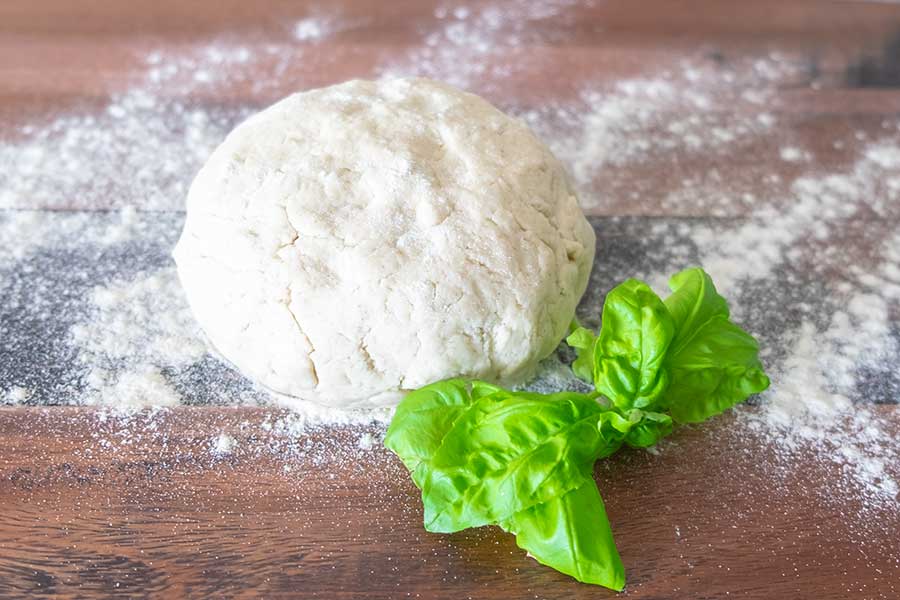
x: 144, y: 506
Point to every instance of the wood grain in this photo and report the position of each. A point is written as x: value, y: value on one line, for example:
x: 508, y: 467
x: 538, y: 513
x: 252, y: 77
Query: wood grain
x: 54, y: 58
x: 142, y: 506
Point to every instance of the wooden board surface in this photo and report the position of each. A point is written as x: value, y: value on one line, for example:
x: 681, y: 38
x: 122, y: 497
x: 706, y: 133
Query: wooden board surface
x: 154, y: 511
x: 143, y: 506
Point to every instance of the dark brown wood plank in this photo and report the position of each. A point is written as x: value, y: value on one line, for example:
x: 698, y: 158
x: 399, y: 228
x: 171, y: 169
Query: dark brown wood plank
x: 824, y: 123
x: 45, y: 73
x: 143, y: 505
x: 56, y: 47
x: 767, y: 18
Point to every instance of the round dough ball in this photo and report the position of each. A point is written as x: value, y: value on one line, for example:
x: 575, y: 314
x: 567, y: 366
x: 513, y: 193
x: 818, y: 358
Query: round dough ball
x: 353, y: 242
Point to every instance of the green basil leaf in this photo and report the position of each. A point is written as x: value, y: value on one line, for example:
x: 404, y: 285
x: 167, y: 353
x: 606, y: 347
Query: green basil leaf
x: 583, y: 340
x: 628, y: 356
x: 692, y: 303
x: 571, y: 534
x: 507, y: 452
x: 483, y: 388
x: 484, y: 455
x: 613, y: 429
x: 423, y: 418
x: 650, y: 427
x: 713, y: 364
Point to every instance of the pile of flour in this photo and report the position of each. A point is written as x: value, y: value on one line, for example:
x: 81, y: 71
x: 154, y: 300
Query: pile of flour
x: 806, y: 254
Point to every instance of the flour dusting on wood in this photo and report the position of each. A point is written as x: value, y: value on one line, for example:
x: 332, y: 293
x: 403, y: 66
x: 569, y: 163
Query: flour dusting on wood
x: 806, y: 249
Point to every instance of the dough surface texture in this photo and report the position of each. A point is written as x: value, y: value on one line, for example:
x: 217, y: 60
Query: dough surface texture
x: 352, y: 242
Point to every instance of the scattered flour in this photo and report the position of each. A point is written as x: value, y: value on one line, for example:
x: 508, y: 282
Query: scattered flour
x: 839, y: 340
x: 668, y: 113
x: 224, y: 444
x: 810, y: 407
x: 689, y: 110
x: 143, y: 147
x: 26, y: 232
x: 309, y: 414
x: 136, y: 328
x: 143, y: 386
x: 365, y: 441
x: 155, y: 141
x: 791, y: 154
x: 812, y: 267
x: 16, y: 395
x: 477, y: 47
x: 316, y: 28
x: 816, y: 211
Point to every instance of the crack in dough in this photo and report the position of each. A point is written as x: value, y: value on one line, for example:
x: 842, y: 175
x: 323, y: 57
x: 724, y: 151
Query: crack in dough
x: 312, y: 362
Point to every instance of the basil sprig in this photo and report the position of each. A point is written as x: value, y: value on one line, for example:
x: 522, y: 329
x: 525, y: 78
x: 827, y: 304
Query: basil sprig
x: 483, y: 455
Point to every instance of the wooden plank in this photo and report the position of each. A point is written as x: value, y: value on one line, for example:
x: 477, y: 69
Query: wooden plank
x: 824, y: 123
x: 44, y: 74
x: 768, y: 18
x: 585, y: 45
x: 142, y: 505
x: 56, y: 47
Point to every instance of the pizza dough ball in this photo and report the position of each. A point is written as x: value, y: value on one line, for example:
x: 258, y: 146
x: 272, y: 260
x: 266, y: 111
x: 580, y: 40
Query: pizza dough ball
x: 353, y: 242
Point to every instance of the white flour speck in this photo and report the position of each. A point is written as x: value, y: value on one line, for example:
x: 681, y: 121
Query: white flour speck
x: 314, y: 28
x: 16, y: 395
x: 365, y: 441
x: 224, y: 444
x: 791, y: 154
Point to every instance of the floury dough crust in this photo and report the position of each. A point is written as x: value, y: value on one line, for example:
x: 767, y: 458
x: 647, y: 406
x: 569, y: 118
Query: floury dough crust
x: 352, y: 242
